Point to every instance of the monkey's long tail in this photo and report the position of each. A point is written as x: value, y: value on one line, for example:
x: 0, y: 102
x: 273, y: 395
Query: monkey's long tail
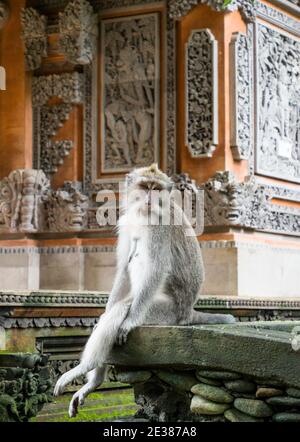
x: 98, y: 346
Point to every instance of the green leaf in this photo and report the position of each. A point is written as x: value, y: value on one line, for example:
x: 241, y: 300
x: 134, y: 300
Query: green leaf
x: 226, y: 3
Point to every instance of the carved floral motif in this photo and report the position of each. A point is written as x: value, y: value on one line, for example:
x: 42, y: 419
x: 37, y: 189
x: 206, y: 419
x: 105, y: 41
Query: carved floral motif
x: 201, y: 93
x: 78, y: 32
x: 52, y: 153
x: 241, y: 95
x: 34, y: 35
x: 49, y: 154
x: 180, y: 8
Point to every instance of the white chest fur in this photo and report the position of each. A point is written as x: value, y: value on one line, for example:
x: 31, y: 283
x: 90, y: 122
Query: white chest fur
x: 136, y: 230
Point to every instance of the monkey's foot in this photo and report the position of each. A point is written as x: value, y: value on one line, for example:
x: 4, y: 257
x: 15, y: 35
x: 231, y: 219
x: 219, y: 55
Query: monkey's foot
x: 123, y: 333
x: 76, y: 401
x: 61, y: 384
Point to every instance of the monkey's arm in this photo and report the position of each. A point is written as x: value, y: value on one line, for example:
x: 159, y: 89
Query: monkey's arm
x: 121, y: 284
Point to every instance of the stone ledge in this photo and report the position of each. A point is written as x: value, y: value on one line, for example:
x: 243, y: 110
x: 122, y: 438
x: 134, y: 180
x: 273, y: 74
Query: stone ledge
x: 213, y: 373
x: 236, y: 347
x: 73, y: 298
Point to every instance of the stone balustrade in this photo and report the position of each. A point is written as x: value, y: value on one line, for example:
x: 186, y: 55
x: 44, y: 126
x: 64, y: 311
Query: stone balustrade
x: 241, y: 372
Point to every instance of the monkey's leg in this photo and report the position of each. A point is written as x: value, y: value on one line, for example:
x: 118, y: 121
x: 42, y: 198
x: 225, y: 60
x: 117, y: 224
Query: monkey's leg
x: 209, y: 318
x: 98, y: 346
x: 95, y: 378
x: 162, y: 312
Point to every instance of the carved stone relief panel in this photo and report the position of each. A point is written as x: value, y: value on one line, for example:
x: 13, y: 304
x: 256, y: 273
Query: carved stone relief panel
x: 201, y: 93
x: 241, y: 119
x: 278, y: 104
x: 97, y: 166
x: 130, y: 92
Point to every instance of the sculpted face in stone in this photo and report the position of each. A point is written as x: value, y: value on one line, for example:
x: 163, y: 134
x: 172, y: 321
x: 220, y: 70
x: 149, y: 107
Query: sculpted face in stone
x: 67, y: 209
x: 4, y: 13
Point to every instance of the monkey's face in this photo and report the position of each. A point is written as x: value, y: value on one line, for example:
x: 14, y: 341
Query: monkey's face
x: 148, y: 197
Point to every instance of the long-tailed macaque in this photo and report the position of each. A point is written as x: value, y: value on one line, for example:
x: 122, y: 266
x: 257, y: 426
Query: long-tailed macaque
x: 158, y: 279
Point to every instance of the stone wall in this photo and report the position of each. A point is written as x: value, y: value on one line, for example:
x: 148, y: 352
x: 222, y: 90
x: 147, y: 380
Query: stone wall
x: 210, y: 396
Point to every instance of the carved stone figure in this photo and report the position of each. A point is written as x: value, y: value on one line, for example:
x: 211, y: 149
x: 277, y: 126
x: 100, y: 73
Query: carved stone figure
x: 21, y: 200
x: 278, y: 79
x: 4, y: 13
x: 78, y: 31
x: 67, y: 208
x: 228, y: 202
x: 34, y: 36
x: 130, y: 75
x: 201, y: 93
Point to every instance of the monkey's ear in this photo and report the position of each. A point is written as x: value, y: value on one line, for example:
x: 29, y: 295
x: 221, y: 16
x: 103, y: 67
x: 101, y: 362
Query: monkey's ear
x: 154, y: 168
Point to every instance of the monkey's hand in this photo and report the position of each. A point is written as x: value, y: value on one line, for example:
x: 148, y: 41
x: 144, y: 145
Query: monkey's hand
x: 125, y: 328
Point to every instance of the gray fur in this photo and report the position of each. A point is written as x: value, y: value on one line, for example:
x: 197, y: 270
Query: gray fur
x: 164, y: 295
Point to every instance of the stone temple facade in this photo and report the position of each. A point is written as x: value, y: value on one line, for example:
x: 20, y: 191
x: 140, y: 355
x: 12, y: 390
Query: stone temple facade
x: 95, y: 88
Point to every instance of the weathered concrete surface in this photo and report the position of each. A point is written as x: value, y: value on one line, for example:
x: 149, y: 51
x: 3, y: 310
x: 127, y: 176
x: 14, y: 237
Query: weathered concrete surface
x: 258, y: 350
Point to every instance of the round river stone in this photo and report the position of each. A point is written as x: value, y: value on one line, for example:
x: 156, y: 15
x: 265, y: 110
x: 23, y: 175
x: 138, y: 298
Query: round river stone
x: 219, y: 375
x: 199, y: 405
x: 241, y: 386
x: 212, y: 393
x: 234, y: 415
x: 253, y: 407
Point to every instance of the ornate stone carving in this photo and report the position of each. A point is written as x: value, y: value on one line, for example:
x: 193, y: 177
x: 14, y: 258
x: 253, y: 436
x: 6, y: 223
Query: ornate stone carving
x: 34, y: 35
x: 278, y: 104
x: 183, y: 182
x: 25, y: 386
x: 247, y: 204
x: 179, y: 8
x: 78, y: 32
x: 58, y: 298
x: 21, y: 200
x: 69, y: 87
x: 278, y: 18
x: 201, y: 93
x: 4, y: 13
x: 228, y: 202
x: 49, y: 154
x: 52, y: 322
x: 130, y: 72
x: 92, y: 182
x: 52, y: 153
x: 241, y: 96
x: 67, y: 208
